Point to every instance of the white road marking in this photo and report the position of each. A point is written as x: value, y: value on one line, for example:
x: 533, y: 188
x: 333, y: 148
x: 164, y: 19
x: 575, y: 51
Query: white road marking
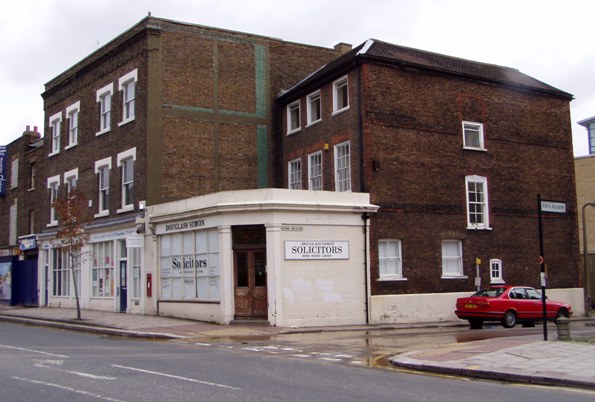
x: 33, y: 351
x: 64, y: 388
x: 51, y: 364
x: 214, y: 384
x: 202, y: 344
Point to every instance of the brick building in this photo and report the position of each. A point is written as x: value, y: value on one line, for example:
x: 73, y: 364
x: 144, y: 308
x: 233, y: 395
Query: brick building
x: 234, y: 176
x: 21, y: 189
x: 163, y: 112
x: 454, y: 153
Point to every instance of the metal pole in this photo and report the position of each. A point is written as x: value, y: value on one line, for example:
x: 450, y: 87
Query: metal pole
x: 542, y: 264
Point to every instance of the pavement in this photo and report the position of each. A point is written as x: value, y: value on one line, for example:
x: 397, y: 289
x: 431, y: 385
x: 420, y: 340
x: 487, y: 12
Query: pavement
x: 525, y: 359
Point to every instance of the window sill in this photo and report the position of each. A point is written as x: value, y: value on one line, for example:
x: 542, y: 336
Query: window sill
x: 124, y: 122
x: 106, y: 130
x: 454, y: 277
x: 392, y: 279
x: 52, y: 224
x: 297, y: 130
x: 126, y: 208
x: 475, y: 149
x: 497, y: 282
x: 479, y: 228
x: 314, y: 123
x: 53, y: 153
x: 336, y: 112
x: 31, y: 189
x: 101, y: 214
x: 70, y: 146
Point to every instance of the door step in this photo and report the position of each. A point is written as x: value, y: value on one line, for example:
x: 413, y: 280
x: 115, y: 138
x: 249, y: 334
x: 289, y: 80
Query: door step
x: 251, y: 322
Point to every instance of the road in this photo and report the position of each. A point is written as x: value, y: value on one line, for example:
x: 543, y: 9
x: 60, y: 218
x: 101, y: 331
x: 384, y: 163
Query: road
x: 55, y: 365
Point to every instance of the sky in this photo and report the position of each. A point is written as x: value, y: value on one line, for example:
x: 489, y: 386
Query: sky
x: 552, y: 41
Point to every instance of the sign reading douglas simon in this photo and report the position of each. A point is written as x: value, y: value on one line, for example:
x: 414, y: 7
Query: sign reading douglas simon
x: 316, y: 250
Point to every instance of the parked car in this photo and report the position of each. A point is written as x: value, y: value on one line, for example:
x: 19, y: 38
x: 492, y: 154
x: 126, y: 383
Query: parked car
x: 509, y: 305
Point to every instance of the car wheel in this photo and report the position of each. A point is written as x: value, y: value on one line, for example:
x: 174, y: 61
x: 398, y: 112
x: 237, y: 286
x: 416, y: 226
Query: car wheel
x: 475, y: 323
x: 509, y: 319
x: 561, y: 313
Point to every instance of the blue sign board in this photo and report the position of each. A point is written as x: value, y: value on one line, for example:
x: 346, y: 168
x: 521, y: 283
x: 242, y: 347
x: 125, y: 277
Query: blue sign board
x: 3, y: 164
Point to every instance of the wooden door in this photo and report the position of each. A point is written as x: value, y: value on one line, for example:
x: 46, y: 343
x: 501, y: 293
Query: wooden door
x: 250, y: 284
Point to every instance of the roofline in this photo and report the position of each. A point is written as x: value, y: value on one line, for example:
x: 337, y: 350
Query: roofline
x: 585, y: 122
x: 359, y: 56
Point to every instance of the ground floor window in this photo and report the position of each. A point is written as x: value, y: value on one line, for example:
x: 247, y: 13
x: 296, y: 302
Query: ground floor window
x: 496, y: 271
x: 389, y: 259
x: 190, y: 265
x: 135, y: 254
x: 452, y: 258
x: 60, y: 273
x: 102, y: 270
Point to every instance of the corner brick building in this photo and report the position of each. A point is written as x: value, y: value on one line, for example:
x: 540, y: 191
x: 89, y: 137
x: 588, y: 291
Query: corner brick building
x: 234, y: 176
x: 454, y: 153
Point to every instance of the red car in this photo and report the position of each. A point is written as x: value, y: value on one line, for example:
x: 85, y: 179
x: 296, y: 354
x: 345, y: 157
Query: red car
x: 508, y: 305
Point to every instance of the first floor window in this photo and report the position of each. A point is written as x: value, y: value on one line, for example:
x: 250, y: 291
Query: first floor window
x: 60, y: 273
x: 342, y: 167
x: 127, y: 182
x: 102, y: 169
x: 295, y: 174
x: 53, y: 184
x: 390, y: 263
x: 452, y: 258
x: 190, y: 265
x: 102, y: 270
x: 315, y: 171
x: 477, y: 202
x: 496, y: 271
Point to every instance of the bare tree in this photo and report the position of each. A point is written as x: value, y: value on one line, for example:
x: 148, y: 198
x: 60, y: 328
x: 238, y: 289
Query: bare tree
x: 72, y: 236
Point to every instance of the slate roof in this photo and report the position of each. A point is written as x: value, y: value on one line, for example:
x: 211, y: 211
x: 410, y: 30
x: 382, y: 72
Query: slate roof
x: 375, y: 50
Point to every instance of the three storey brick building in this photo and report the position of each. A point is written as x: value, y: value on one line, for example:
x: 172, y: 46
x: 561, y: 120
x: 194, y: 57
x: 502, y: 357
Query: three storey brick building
x: 235, y: 176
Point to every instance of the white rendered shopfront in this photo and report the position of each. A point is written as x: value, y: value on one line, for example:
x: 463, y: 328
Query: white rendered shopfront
x: 290, y: 257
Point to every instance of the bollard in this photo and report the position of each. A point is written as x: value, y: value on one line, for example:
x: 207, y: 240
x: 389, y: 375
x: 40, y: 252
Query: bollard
x: 563, y: 325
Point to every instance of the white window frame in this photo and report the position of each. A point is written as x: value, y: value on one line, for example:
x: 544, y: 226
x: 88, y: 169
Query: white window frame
x: 14, y: 173
x: 72, y: 114
x: 315, y: 178
x: 127, y: 84
x: 390, y: 257
x: 477, y: 130
x: 448, y: 259
x: 102, y: 192
x: 121, y: 159
x: 294, y: 123
x: 53, y: 184
x: 338, y: 86
x: 473, y: 203
x: 313, y: 104
x: 55, y: 123
x: 102, y: 270
x: 70, y: 179
x: 496, y: 273
x: 60, y: 273
x: 104, y: 98
x: 294, y: 174
x: 342, y: 167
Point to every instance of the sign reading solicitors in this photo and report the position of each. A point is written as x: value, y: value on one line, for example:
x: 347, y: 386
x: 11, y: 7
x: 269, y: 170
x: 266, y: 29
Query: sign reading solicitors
x: 316, y: 250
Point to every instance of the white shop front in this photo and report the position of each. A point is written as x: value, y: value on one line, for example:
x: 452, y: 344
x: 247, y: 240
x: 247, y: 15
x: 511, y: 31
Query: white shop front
x: 289, y: 257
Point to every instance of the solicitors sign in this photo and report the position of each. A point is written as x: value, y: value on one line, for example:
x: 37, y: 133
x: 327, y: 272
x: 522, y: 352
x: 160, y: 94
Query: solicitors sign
x: 317, y: 250
x: 3, y: 164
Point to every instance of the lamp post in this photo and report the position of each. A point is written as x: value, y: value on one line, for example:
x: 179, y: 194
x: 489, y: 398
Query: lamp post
x: 586, y: 283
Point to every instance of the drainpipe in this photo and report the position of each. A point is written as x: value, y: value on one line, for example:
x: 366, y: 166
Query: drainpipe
x: 365, y: 218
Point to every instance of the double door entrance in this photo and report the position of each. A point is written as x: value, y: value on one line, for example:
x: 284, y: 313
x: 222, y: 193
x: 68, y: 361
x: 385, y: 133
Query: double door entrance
x: 250, y: 273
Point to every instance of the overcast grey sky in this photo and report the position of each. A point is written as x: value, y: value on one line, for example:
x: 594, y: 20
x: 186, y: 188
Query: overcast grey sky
x: 549, y: 40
